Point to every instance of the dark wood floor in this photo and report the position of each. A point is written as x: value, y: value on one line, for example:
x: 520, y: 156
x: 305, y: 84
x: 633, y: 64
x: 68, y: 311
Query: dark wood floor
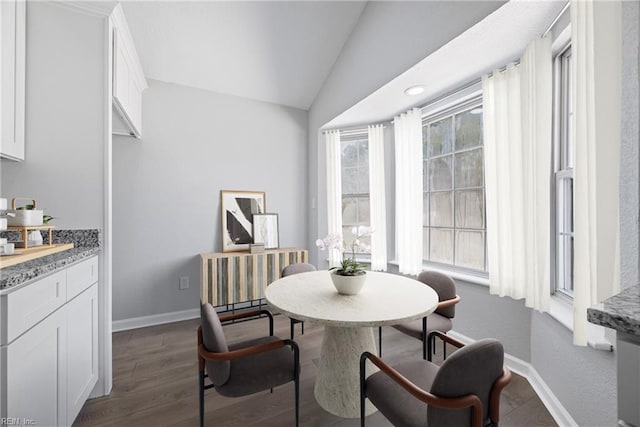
x: 155, y: 383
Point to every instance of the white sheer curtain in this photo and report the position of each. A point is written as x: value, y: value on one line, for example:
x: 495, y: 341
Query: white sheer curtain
x: 377, y: 198
x: 536, y: 83
x: 334, y: 191
x: 408, y: 148
x: 595, y: 38
x: 517, y: 137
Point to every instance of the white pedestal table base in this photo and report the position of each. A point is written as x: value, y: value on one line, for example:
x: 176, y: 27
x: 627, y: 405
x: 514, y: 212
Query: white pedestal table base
x: 337, y: 387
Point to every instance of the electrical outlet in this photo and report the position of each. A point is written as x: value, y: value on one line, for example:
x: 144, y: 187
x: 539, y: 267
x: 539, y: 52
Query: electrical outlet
x: 184, y: 282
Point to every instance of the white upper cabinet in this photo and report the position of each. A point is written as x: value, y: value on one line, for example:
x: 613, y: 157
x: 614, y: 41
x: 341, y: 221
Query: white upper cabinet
x: 12, y: 78
x: 128, y: 79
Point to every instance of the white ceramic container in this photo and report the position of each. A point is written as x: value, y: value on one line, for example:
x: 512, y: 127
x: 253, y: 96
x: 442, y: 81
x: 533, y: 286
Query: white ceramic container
x: 348, y: 285
x: 25, y: 218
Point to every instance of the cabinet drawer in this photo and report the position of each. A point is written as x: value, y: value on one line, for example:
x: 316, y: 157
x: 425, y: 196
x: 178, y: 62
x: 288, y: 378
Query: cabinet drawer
x: 29, y: 305
x: 81, y: 276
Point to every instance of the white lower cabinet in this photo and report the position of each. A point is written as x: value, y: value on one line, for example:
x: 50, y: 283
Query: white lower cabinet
x: 48, y: 371
x: 36, y: 374
x: 82, y: 349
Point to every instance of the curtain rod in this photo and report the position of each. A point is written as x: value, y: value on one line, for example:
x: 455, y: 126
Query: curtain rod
x: 353, y: 131
x: 501, y: 69
x: 450, y: 94
x: 556, y: 20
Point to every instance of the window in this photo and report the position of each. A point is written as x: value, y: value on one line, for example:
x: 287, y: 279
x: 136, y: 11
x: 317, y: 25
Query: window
x: 354, y: 164
x: 453, y: 171
x: 563, y: 173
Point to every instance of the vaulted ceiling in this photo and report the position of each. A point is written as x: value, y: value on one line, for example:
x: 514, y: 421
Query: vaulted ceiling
x: 282, y: 51
x: 279, y: 52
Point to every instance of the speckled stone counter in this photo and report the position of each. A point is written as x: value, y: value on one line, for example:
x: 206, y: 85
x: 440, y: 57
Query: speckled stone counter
x: 86, y: 244
x: 620, y: 312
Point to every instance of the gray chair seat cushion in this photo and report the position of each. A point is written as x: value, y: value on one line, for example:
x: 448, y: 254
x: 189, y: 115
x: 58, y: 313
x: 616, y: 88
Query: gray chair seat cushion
x: 397, y: 405
x: 258, y: 372
x: 435, y: 322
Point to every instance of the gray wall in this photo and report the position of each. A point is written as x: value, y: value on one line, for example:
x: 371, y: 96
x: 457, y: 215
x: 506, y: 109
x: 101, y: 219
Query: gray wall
x: 166, y: 188
x: 583, y: 379
x: 630, y: 146
x: 64, y: 159
x: 481, y: 315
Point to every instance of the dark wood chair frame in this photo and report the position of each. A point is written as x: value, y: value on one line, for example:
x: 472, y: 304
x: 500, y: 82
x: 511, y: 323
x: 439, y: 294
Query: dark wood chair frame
x: 204, y: 355
x: 293, y: 322
x: 425, y: 344
x: 467, y: 401
x: 441, y: 304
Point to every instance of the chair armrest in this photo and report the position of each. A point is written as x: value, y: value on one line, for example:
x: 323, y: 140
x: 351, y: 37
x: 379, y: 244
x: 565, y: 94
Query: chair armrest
x: 494, y: 398
x: 244, y: 352
x: 460, y: 402
x: 449, y: 302
x: 446, y: 338
x: 250, y: 313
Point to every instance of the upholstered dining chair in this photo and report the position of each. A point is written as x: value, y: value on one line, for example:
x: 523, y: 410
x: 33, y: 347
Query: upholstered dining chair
x: 247, y: 367
x: 297, y: 268
x: 440, y: 319
x: 463, y: 391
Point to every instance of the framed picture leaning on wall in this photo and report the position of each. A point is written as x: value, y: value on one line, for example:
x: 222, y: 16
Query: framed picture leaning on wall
x: 238, y: 208
x: 265, y: 230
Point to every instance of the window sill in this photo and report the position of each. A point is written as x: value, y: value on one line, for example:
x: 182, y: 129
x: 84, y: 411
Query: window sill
x: 561, y: 309
x: 456, y: 274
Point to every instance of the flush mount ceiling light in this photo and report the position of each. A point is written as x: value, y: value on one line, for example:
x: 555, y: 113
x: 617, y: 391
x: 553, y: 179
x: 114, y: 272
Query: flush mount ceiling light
x: 414, y: 90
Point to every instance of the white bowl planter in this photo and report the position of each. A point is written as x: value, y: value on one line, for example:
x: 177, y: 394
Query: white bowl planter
x: 348, y: 285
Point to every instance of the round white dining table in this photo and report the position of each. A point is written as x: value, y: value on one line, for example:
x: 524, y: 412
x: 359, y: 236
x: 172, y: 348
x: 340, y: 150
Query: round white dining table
x: 385, y: 299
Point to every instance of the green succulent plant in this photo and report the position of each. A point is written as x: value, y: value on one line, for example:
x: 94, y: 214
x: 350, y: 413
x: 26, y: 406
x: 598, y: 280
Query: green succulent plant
x: 349, y: 267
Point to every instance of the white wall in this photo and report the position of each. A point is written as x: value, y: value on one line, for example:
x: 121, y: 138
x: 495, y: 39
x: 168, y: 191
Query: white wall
x: 166, y: 188
x: 63, y: 167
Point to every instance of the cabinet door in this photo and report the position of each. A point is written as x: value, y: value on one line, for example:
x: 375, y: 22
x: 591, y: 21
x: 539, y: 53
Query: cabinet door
x: 36, y: 373
x: 12, y: 78
x: 127, y: 93
x: 121, y: 72
x: 82, y: 349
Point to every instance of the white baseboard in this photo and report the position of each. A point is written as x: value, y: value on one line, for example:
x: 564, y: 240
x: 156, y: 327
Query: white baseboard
x: 525, y: 369
x: 155, y: 319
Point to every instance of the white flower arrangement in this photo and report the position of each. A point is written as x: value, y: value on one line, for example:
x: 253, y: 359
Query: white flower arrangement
x: 348, y: 266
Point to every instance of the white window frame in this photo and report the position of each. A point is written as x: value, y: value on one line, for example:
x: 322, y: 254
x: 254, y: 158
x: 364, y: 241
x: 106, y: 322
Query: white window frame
x: 562, y: 200
x: 353, y: 137
x: 466, y: 99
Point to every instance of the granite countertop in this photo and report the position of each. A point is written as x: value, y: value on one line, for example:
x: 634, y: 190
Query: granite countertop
x: 620, y: 312
x: 86, y: 242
